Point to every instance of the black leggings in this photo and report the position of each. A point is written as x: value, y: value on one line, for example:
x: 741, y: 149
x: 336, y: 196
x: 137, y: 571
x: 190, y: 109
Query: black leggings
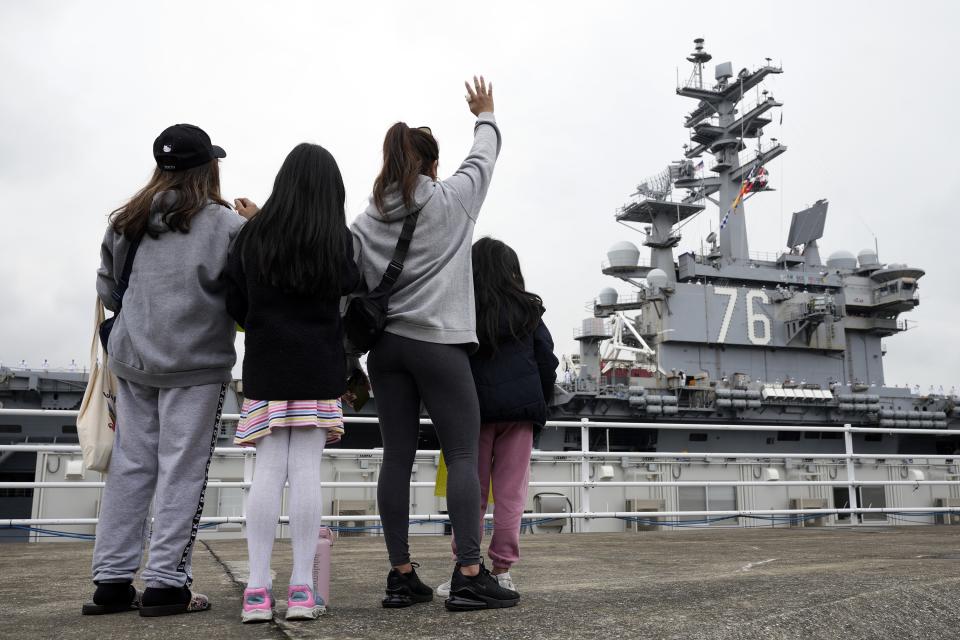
x: 402, y: 372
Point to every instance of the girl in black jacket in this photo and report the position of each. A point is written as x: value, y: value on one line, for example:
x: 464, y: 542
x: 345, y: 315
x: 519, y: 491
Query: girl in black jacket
x: 514, y: 371
x: 287, y: 271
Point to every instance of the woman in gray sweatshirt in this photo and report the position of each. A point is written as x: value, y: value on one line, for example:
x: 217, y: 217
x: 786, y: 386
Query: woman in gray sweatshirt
x: 171, y: 349
x: 423, y: 354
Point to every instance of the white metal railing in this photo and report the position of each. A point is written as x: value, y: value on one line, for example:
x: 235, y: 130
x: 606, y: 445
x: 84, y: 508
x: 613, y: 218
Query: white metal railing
x: 601, y: 331
x: 584, y: 515
x: 582, y: 457
x: 764, y: 256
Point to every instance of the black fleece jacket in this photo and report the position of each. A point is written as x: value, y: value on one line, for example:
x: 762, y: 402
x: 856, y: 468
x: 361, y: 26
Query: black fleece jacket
x: 293, y: 342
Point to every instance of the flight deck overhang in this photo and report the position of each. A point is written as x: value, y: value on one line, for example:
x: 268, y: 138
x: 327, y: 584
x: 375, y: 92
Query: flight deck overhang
x: 644, y: 211
x: 895, y: 273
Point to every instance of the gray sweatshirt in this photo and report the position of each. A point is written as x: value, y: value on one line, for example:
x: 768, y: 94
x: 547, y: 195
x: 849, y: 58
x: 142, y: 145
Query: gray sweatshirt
x: 433, y: 299
x: 174, y: 330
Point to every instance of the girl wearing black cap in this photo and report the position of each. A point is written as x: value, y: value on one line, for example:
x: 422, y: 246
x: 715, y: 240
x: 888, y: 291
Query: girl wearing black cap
x: 172, y: 352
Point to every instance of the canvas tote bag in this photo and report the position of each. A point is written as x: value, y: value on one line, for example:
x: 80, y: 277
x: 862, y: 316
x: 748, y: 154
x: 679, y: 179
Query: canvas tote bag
x: 97, y: 417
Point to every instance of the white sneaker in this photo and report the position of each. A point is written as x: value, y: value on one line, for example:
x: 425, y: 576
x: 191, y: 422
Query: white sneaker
x: 303, y: 604
x: 257, y: 605
x: 505, y: 581
x: 444, y: 590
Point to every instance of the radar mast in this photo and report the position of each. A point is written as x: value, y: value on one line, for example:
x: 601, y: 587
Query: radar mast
x: 719, y: 125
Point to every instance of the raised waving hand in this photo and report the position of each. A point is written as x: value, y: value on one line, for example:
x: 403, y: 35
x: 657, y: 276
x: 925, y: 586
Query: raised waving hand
x: 479, y: 96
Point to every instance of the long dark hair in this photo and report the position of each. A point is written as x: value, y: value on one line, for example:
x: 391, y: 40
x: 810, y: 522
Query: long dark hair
x: 407, y: 154
x: 500, y: 294
x: 297, y: 238
x: 195, y: 188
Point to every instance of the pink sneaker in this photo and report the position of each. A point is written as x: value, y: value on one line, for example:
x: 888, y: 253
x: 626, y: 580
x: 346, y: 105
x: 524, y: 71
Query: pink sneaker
x: 302, y: 604
x: 257, y: 605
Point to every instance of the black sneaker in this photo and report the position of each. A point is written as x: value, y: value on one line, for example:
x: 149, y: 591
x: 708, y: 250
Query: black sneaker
x: 481, y: 591
x: 405, y: 589
x: 112, y: 597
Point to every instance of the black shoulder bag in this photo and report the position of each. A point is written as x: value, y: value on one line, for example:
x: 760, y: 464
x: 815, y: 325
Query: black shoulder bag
x: 107, y: 325
x: 366, y: 315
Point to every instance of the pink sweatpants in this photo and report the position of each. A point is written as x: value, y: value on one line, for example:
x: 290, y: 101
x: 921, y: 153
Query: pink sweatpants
x: 504, y: 454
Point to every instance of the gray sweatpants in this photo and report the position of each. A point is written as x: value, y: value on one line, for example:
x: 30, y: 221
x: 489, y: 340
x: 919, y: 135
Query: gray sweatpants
x: 164, y: 442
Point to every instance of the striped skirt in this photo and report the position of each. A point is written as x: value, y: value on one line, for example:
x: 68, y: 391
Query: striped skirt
x: 259, y: 417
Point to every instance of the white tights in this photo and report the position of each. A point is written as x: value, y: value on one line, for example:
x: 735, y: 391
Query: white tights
x: 286, y: 454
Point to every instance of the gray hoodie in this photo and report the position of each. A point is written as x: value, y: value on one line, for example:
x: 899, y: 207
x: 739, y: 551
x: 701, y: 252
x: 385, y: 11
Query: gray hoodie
x: 174, y: 330
x: 433, y: 299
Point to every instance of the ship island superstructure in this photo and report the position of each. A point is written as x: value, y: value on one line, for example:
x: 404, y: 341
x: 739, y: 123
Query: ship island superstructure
x: 723, y: 335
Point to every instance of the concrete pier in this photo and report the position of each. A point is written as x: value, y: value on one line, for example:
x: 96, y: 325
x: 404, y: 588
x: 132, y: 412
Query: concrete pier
x: 883, y: 582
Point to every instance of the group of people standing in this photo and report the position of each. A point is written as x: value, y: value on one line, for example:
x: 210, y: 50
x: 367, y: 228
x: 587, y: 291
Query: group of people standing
x: 463, y: 338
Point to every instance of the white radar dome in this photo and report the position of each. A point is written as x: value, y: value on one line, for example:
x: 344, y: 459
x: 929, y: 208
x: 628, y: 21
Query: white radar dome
x: 657, y: 278
x: 842, y: 260
x: 623, y: 254
x: 607, y: 296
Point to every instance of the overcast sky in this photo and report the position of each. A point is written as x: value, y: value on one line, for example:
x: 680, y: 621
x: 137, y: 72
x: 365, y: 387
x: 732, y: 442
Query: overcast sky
x: 584, y: 96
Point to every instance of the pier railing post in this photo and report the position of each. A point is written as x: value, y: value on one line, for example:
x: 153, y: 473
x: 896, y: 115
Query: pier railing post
x: 851, y: 474
x: 584, y: 473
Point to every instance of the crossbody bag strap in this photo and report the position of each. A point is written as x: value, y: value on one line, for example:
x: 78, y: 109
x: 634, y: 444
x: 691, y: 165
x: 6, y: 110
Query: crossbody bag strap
x: 124, y: 280
x: 395, y: 268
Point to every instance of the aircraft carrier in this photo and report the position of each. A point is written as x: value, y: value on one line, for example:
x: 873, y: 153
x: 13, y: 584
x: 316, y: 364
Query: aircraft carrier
x: 726, y: 335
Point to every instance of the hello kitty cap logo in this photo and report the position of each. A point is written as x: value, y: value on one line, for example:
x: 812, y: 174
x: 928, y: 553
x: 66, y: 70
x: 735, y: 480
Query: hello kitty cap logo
x: 184, y: 146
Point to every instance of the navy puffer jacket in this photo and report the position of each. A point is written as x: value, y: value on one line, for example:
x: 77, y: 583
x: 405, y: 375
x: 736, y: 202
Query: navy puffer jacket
x: 515, y: 383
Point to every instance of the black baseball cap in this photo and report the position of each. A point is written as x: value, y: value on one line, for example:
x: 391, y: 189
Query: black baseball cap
x: 184, y: 146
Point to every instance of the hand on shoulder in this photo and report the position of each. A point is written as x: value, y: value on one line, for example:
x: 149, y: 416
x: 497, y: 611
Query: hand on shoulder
x: 246, y: 208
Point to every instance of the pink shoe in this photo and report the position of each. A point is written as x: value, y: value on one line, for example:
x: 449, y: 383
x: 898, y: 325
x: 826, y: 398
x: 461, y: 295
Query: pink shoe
x: 257, y: 605
x: 302, y: 604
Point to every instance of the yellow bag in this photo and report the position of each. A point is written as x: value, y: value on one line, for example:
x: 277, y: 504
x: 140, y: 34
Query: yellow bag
x: 440, y: 488
x: 97, y: 416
